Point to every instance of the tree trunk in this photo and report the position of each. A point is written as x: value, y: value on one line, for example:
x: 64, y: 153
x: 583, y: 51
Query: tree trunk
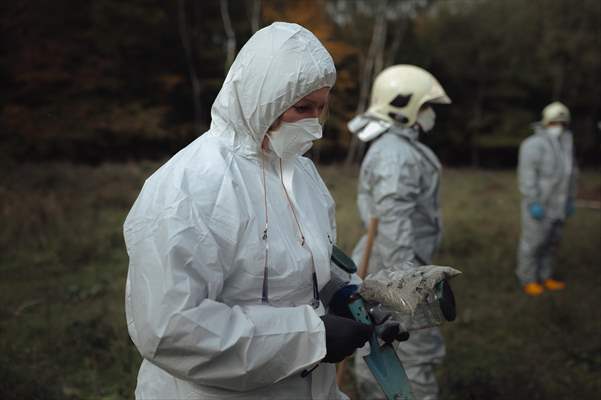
x: 399, y: 31
x: 186, y: 38
x: 370, y: 68
x: 254, y: 16
x: 476, y: 126
x: 229, y: 34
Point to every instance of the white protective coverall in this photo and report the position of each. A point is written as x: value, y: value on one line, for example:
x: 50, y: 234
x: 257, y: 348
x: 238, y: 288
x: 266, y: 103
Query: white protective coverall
x: 547, y: 175
x: 195, y: 241
x: 398, y: 184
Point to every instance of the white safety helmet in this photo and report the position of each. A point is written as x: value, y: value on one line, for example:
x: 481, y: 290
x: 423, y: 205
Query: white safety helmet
x: 400, y: 90
x: 555, y: 112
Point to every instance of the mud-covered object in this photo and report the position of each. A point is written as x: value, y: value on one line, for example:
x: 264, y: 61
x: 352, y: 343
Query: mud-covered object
x: 417, y: 298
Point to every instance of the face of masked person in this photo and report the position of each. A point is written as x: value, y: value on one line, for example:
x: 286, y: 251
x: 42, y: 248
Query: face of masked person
x: 293, y: 139
x: 426, y: 119
x: 555, y: 130
x: 296, y: 129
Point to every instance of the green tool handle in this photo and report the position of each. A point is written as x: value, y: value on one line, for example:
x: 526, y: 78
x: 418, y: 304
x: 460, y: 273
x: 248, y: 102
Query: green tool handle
x: 382, y: 360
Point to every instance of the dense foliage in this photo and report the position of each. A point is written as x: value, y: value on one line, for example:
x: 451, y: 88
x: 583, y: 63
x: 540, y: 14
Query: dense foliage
x: 92, y: 81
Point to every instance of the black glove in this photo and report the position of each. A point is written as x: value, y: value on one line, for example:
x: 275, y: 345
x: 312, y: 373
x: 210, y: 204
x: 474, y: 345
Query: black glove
x: 343, y: 336
x: 386, y: 329
x: 335, y: 294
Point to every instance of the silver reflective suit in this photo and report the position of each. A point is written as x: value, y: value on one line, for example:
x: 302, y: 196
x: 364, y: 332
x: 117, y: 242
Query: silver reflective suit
x: 398, y: 184
x: 547, y: 175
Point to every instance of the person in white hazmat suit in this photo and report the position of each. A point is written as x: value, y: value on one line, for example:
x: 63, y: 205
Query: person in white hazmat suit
x: 230, y: 241
x: 547, y: 182
x: 398, y: 185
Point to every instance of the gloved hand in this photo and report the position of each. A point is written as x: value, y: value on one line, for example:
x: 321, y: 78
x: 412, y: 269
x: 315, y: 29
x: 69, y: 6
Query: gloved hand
x: 386, y: 329
x: 570, y: 209
x: 339, y: 303
x: 536, y: 210
x: 343, y: 336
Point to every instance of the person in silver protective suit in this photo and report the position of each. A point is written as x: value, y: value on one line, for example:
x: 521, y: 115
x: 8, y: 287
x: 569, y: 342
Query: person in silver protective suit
x: 547, y: 182
x: 398, y: 187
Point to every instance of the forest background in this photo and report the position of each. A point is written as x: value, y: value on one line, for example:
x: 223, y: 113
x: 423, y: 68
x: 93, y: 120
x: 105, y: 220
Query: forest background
x: 110, y: 80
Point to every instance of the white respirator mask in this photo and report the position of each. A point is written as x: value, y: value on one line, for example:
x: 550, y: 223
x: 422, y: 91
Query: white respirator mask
x: 555, y: 130
x: 294, y: 138
x: 426, y: 119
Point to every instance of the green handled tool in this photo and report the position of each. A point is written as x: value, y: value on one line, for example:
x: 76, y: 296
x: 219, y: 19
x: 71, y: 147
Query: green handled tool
x: 382, y: 361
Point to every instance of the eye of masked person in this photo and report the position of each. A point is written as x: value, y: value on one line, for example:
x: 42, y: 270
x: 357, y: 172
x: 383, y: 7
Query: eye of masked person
x: 314, y: 105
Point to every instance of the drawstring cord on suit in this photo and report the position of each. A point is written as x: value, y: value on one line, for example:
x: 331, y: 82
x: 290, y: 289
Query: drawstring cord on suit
x: 265, y: 289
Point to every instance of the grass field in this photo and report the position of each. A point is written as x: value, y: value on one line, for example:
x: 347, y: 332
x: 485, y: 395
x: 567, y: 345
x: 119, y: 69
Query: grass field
x: 63, y: 267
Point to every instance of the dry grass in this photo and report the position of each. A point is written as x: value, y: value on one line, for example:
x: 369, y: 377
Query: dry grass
x: 63, y: 266
x: 504, y: 345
